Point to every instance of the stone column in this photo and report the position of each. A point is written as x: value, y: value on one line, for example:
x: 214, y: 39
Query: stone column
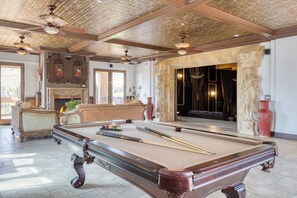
x: 165, y: 91
x: 248, y: 89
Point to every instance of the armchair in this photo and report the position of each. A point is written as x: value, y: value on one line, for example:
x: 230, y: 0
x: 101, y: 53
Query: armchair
x: 32, y: 122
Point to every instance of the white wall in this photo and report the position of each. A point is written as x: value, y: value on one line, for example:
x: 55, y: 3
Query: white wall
x: 285, y: 85
x: 144, y: 76
x: 116, y: 66
x: 30, y: 65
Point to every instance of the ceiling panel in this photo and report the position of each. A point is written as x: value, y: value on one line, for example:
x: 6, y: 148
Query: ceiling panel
x: 113, y: 50
x: 8, y: 37
x: 95, y: 17
x: 274, y: 14
x: 165, y: 32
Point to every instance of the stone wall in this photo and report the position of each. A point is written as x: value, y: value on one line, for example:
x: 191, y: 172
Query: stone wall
x: 248, y: 82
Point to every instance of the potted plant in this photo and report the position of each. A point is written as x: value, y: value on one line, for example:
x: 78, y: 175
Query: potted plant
x: 71, y: 104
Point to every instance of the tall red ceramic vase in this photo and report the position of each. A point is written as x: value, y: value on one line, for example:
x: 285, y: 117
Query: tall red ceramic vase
x: 265, y: 119
x: 149, y: 109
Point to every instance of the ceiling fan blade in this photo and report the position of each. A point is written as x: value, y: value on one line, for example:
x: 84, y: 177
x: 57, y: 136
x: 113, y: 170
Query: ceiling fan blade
x: 61, y: 33
x: 74, y: 29
x: 29, y: 48
x: 58, y: 21
x: 194, y: 49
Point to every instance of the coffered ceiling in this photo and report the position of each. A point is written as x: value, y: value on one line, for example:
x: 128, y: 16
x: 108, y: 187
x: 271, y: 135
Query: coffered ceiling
x: 147, y: 28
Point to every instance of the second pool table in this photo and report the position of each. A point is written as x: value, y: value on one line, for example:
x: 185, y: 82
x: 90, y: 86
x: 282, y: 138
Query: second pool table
x: 168, y: 172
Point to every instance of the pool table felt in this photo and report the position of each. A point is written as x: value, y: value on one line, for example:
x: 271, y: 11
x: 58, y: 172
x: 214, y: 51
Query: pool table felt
x: 173, y: 159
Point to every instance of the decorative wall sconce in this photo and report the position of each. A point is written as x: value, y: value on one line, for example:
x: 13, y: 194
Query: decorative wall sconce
x: 179, y: 76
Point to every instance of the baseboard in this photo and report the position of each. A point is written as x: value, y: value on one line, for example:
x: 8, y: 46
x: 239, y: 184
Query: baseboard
x: 283, y: 135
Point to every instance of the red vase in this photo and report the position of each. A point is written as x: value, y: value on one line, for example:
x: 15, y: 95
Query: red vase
x: 149, y: 109
x: 265, y: 119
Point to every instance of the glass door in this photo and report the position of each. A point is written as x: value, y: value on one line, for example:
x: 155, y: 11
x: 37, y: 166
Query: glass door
x: 11, y: 80
x: 118, y: 87
x: 109, y: 86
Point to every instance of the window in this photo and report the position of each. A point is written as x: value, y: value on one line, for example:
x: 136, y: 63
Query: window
x: 109, y: 86
x: 12, y: 82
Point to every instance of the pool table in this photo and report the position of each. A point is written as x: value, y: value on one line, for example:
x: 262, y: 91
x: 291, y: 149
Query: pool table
x: 168, y: 172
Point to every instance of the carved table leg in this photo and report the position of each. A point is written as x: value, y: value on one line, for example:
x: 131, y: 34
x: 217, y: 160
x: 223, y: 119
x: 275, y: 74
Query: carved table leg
x: 12, y: 131
x: 235, y: 192
x: 78, y: 163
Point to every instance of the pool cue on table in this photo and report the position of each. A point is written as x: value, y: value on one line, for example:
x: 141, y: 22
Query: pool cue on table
x: 177, y: 140
x: 124, y: 137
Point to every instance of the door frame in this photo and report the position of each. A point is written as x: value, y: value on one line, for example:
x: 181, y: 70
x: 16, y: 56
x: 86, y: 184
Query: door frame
x: 22, y: 66
x: 110, y: 71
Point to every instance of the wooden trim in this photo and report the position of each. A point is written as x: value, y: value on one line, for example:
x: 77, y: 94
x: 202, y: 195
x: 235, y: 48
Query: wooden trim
x: 32, y: 28
x: 199, y: 2
x: 140, y: 45
x: 227, y: 18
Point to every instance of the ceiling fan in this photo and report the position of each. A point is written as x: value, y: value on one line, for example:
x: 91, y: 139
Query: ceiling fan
x: 53, y: 24
x: 126, y: 59
x: 22, y: 47
x: 182, y: 47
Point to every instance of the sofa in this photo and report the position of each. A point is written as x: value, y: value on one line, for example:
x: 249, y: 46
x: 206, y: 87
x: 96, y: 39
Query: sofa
x: 102, y: 112
x: 32, y: 122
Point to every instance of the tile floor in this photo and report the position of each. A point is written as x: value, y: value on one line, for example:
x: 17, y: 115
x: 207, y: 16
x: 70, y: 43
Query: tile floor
x: 38, y: 168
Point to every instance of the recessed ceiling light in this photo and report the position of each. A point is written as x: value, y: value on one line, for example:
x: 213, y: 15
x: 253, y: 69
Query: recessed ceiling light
x: 182, y: 24
x: 236, y: 35
x: 156, y: 52
x: 99, y: 1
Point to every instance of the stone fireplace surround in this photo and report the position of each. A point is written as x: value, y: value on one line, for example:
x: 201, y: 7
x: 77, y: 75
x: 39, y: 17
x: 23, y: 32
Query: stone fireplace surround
x: 248, y: 59
x: 66, y: 93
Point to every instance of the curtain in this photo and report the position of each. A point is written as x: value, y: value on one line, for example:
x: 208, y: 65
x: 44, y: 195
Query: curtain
x: 227, y: 92
x: 197, y: 97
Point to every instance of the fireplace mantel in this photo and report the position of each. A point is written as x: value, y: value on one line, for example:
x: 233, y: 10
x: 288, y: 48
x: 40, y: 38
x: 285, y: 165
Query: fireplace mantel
x: 67, y: 93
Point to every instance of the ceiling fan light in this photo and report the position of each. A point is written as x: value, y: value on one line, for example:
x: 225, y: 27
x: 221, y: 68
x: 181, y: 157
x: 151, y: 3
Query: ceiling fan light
x: 126, y: 62
x: 182, y: 45
x: 22, y: 51
x: 126, y: 58
x: 181, y: 51
x: 51, y: 29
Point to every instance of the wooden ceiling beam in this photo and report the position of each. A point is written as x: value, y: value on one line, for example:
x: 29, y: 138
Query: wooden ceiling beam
x: 176, y: 3
x: 33, y: 28
x: 65, y: 51
x: 165, y: 11
x: 80, y: 46
x: 139, y: 45
x: 227, y: 18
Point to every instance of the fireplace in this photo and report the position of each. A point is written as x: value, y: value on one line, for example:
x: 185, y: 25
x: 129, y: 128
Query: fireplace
x: 59, y: 103
x: 57, y: 96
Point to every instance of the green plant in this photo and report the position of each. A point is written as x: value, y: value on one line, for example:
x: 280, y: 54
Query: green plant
x: 72, y: 104
x: 135, y: 92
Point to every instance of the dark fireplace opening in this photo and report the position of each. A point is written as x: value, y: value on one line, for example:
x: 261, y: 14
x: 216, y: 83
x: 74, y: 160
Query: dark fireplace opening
x: 60, y: 102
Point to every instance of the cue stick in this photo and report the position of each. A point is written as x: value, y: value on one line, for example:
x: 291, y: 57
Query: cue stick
x: 180, y: 141
x: 124, y: 137
x: 172, y: 140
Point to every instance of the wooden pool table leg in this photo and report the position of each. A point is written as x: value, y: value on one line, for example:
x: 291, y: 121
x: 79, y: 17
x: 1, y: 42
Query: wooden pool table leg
x: 235, y: 192
x: 78, y: 163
